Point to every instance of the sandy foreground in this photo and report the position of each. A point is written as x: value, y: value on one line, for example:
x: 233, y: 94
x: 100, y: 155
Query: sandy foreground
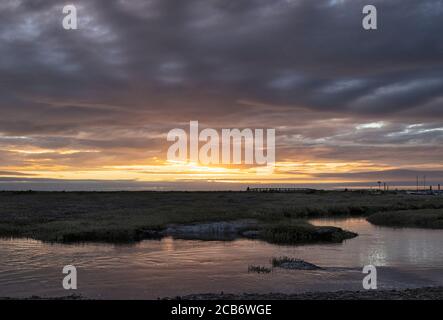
x: 428, y: 293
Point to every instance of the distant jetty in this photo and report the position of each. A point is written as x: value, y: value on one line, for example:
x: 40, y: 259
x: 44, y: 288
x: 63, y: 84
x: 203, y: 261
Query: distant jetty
x: 280, y: 190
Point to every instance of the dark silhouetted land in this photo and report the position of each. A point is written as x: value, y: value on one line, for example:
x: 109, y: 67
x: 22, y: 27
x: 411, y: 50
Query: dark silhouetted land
x: 132, y: 216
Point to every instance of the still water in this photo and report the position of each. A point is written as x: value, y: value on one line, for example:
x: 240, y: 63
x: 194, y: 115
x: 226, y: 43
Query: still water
x: 167, y: 268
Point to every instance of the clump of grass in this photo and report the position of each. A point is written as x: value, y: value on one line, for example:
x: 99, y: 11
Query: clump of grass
x: 277, y: 262
x: 429, y: 218
x: 291, y: 232
x: 258, y: 269
x: 291, y: 263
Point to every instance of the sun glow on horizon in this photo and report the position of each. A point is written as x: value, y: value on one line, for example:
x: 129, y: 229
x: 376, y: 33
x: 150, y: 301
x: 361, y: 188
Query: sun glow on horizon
x: 173, y: 171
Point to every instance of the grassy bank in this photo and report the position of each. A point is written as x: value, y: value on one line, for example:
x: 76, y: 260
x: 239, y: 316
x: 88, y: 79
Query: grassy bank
x: 289, y: 232
x: 426, y: 218
x: 123, y: 216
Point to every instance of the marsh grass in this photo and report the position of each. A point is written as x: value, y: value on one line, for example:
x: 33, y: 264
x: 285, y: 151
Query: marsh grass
x: 299, y: 231
x: 277, y: 262
x: 122, y: 216
x: 428, y: 218
x: 259, y: 269
x: 292, y: 263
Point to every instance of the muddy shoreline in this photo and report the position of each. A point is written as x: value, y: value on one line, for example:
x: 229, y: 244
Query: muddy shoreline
x: 427, y: 293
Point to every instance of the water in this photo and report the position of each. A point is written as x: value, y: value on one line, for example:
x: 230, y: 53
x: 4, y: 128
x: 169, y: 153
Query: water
x: 152, y: 269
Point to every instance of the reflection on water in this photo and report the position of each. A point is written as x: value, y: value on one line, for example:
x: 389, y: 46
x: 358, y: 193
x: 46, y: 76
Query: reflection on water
x: 151, y: 269
x: 406, y: 248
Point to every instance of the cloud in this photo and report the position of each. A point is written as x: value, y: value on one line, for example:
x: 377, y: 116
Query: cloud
x: 13, y: 173
x: 137, y: 69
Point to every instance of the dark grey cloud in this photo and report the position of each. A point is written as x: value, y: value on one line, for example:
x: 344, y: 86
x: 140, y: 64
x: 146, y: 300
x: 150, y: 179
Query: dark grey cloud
x: 309, y: 53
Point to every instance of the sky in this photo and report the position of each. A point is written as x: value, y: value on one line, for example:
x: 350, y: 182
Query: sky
x: 91, y: 108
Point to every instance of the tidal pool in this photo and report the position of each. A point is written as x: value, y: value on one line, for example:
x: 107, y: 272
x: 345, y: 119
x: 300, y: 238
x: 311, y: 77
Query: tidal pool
x: 406, y: 258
